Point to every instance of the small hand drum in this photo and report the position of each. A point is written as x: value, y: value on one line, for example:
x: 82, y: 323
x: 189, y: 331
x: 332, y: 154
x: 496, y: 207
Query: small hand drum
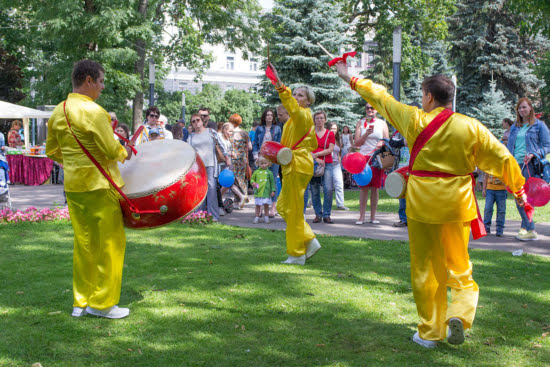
x: 396, y: 182
x: 276, y: 153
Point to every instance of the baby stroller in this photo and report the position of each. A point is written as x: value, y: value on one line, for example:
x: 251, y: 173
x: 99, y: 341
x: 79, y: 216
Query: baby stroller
x: 5, y: 201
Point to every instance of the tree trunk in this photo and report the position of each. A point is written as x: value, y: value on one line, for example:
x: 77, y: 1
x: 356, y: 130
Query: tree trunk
x: 140, y: 69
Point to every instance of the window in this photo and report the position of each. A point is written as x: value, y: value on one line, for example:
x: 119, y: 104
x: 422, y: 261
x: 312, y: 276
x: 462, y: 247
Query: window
x: 253, y: 64
x: 230, y: 62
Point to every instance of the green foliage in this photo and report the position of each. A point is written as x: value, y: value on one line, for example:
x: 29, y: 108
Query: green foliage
x: 493, y: 109
x: 543, y: 72
x: 48, y: 37
x: 485, y: 40
x: 297, y: 27
x: 10, y: 78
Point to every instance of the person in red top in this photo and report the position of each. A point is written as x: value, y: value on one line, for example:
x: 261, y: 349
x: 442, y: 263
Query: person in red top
x: 323, y: 157
x: 14, y: 139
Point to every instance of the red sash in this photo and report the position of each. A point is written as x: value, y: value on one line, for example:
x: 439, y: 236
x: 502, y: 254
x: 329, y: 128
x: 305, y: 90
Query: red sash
x: 477, y: 226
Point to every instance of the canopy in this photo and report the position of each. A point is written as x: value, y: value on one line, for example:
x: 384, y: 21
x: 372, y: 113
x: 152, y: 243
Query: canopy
x: 13, y: 111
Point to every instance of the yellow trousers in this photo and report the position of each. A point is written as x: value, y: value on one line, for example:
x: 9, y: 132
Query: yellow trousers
x: 99, y: 244
x: 439, y: 259
x: 290, y: 206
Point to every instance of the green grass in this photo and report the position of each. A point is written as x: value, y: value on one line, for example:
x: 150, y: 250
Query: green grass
x: 388, y: 204
x: 217, y: 296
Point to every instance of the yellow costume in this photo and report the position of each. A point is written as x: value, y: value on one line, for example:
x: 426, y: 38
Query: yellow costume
x: 296, y: 174
x: 96, y: 217
x: 440, y: 209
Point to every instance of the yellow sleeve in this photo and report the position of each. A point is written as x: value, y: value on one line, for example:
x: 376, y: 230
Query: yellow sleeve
x: 404, y: 118
x: 299, y: 115
x: 53, y: 150
x: 102, y: 132
x: 494, y: 158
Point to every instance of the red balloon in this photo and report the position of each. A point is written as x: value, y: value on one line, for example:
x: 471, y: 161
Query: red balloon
x: 354, y: 162
x: 537, y: 191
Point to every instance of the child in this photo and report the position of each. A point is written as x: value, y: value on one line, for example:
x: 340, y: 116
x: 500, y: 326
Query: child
x: 494, y: 190
x: 154, y: 134
x: 264, y: 188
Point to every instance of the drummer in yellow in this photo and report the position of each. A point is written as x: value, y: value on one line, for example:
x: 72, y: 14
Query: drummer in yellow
x: 96, y: 217
x: 440, y: 209
x: 298, y: 135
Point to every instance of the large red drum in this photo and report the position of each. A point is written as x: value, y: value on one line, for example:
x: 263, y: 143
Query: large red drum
x: 396, y: 182
x: 276, y: 153
x: 166, y: 176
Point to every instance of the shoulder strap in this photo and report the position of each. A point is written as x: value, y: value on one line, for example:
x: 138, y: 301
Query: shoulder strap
x: 427, y: 133
x: 302, y: 139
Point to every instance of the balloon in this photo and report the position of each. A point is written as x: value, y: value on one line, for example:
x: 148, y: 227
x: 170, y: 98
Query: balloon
x: 363, y: 178
x: 537, y: 191
x: 226, y: 178
x: 354, y: 162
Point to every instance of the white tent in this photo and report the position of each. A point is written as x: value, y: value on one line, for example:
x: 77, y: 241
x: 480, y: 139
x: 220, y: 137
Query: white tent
x: 13, y: 111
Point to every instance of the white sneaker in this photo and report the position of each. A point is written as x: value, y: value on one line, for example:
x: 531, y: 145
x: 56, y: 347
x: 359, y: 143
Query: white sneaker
x: 79, y: 311
x: 295, y: 260
x: 312, y: 247
x: 456, y: 331
x: 266, y: 219
x: 425, y: 343
x: 114, y: 312
x: 256, y: 220
x: 222, y: 211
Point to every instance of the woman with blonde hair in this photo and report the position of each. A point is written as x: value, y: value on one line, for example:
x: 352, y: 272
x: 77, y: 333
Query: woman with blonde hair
x: 528, y: 140
x: 14, y: 139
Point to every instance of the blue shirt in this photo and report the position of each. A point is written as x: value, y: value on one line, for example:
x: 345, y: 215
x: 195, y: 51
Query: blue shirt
x: 537, y: 139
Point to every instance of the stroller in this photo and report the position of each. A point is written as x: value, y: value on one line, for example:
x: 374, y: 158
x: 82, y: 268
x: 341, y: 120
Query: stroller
x: 5, y: 201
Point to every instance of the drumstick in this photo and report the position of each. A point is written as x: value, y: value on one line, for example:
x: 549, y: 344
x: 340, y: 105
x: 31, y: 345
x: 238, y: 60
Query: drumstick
x: 325, y: 50
x: 136, y: 135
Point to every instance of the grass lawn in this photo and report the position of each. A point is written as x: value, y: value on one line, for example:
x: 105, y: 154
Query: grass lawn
x: 390, y: 205
x: 217, y: 296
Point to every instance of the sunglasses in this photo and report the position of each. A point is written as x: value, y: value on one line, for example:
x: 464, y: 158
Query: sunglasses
x: 204, y: 115
x: 369, y: 108
x: 154, y: 116
x: 196, y: 120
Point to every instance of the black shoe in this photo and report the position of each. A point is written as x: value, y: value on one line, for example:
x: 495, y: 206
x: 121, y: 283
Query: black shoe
x: 328, y: 220
x: 317, y: 219
x: 400, y: 224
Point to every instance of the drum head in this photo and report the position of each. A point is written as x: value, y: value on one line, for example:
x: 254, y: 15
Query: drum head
x: 157, y: 165
x: 284, y: 156
x: 395, y: 185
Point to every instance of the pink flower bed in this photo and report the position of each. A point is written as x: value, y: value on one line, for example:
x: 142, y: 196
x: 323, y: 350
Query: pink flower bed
x: 31, y: 214
x: 200, y: 217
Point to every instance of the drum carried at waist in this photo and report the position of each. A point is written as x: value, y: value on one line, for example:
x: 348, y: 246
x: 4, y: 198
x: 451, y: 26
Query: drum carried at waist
x: 166, y: 181
x: 396, y: 182
x: 276, y: 153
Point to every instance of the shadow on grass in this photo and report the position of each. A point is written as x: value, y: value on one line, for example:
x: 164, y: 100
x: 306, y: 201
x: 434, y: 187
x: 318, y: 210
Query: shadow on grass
x: 217, y: 296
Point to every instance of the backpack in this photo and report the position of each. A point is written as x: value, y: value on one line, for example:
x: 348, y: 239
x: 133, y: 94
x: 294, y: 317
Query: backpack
x: 542, y: 168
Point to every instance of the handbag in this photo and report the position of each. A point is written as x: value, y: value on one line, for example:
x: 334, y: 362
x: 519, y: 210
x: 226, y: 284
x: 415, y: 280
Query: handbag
x: 219, y: 151
x: 386, y: 160
x: 319, y: 170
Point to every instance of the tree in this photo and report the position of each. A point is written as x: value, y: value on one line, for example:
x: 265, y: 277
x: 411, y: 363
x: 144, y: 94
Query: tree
x: 298, y: 26
x: 10, y: 78
x: 493, y: 109
x: 485, y: 39
x: 121, y: 34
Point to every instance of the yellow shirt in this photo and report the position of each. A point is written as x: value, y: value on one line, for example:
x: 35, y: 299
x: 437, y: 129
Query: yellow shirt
x: 494, y: 183
x: 91, y: 125
x: 461, y: 144
x: 295, y: 128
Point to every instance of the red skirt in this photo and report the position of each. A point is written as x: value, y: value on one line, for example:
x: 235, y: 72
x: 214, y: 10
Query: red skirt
x: 377, y: 176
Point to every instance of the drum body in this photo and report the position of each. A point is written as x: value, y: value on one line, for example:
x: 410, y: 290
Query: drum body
x: 276, y: 153
x: 166, y: 176
x: 396, y: 182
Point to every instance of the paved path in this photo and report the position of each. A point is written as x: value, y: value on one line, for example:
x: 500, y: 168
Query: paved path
x: 51, y: 195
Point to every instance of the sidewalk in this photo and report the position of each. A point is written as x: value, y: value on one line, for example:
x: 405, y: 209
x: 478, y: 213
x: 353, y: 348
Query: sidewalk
x: 51, y: 195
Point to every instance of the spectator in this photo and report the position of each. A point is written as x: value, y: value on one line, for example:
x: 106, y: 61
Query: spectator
x: 264, y: 188
x: 179, y: 131
x: 323, y: 157
x: 528, y: 139
x: 369, y: 133
x: 204, y: 141
x: 14, y: 139
x: 124, y: 131
x: 494, y: 190
x: 241, y: 145
x: 205, y: 116
x: 3, y: 146
x: 252, y: 132
x: 153, y: 114
x: 282, y: 115
x: 154, y: 134
x: 268, y: 131
x: 347, y: 140
x: 252, y: 135
x: 337, y: 178
x: 398, y: 142
x: 506, y: 125
x: 163, y: 120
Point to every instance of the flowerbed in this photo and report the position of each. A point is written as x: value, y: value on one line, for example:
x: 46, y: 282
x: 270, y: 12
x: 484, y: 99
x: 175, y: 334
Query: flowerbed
x: 32, y: 214
x: 200, y: 218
